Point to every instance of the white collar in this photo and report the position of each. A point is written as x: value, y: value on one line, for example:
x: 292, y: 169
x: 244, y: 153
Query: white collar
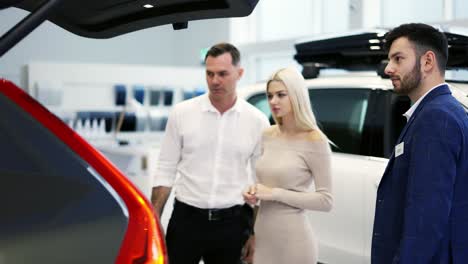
x: 207, y: 106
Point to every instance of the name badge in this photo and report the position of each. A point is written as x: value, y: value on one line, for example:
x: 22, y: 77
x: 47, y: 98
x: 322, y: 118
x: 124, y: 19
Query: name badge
x: 399, y: 149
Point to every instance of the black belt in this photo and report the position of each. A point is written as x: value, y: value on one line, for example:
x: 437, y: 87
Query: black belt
x: 209, y: 214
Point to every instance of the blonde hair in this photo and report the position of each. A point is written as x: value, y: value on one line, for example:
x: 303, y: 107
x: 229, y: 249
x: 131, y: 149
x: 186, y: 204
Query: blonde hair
x: 299, y: 96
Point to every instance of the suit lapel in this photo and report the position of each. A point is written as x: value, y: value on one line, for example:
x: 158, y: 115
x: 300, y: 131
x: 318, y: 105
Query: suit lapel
x: 440, y: 90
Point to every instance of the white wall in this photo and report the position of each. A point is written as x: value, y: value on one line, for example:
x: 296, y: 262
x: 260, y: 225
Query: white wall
x: 91, y: 86
x: 266, y: 39
x: 413, y: 11
x: 164, y: 46
x: 155, y: 46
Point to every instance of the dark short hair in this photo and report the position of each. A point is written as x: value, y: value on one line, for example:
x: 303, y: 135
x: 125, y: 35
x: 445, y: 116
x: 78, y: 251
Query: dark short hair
x: 424, y: 38
x: 221, y: 48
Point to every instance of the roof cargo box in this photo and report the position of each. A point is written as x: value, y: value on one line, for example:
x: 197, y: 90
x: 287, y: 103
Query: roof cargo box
x: 363, y: 50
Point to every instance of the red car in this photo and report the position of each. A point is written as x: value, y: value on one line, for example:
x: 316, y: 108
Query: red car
x: 61, y: 200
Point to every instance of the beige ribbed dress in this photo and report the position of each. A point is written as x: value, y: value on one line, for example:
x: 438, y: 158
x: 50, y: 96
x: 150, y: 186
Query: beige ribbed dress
x: 283, y: 233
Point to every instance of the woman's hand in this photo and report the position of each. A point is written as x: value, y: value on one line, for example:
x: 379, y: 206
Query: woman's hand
x: 263, y: 192
x: 249, y: 195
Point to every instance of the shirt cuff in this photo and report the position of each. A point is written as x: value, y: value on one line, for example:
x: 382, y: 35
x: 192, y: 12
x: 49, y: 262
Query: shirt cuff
x: 162, y: 181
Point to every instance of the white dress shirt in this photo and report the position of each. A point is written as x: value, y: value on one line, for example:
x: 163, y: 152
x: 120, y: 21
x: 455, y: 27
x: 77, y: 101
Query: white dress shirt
x: 410, y: 111
x: 210, y: 152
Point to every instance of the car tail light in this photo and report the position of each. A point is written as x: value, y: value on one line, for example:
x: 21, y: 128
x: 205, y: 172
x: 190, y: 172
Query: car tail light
x: 143, y: 242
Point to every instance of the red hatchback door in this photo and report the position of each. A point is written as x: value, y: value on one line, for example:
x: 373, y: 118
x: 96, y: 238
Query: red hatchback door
x: 61, y: 200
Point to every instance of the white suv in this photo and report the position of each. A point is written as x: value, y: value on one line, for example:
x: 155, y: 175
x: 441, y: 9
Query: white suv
x: 363, y: 117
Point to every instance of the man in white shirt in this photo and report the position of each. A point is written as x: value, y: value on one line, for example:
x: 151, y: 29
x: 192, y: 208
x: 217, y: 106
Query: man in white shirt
x: 209, y: 143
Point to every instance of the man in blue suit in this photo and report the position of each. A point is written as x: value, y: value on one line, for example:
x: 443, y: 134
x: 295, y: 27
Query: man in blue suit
x: 421, y: 213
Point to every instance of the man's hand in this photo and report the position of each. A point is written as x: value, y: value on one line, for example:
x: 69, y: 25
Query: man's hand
x: 248, y: 250
x: 249, y: 195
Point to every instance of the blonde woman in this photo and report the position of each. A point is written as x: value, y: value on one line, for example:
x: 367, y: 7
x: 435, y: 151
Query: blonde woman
x: 295, y: 154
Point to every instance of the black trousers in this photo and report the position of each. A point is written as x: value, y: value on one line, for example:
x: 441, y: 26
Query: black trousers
x: 216, y: 236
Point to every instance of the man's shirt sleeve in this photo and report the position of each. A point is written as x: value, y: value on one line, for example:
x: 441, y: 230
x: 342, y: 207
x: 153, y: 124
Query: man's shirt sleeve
x: 170, y: 153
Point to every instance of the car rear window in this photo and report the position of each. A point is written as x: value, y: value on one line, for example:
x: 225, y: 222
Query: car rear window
x: 340, y: 113
x: 54, y: 207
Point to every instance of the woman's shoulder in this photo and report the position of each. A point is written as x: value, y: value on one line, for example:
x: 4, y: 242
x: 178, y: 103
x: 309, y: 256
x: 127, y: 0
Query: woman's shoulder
x: 317, y: 140
x: 310, y: 135
x: 270, y: 131
x: 314, y: 136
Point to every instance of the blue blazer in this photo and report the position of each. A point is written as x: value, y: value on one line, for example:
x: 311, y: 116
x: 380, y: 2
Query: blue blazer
x: 421, y: 213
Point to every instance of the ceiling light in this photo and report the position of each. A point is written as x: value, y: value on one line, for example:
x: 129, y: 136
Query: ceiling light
x: 148, y: 6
